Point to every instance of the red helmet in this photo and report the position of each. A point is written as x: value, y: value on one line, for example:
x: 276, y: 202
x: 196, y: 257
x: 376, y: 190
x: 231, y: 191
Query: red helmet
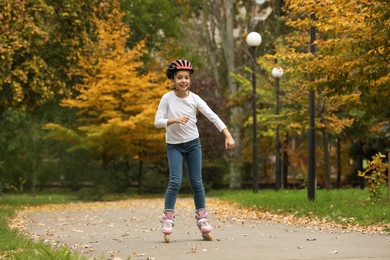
x: 179, y: 65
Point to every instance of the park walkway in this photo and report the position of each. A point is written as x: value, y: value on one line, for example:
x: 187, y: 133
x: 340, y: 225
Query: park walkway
x: 130, y: 229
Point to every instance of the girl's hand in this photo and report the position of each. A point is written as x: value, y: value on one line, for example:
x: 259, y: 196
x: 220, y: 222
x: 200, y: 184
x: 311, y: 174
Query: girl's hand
x: 229, y: 143
x: 178, y: 120
x: 182, y: 119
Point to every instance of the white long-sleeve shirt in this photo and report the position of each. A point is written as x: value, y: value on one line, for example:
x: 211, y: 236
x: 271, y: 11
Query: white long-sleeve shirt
x: 172, y: 106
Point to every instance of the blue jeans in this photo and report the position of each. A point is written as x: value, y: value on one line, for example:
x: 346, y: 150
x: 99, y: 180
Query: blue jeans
x: 192, y: 152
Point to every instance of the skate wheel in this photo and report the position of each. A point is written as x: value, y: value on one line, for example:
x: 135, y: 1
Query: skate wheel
x: 207, y: 236
x: 167, y: 238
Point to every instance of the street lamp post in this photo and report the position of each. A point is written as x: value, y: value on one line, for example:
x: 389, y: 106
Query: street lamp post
x: 277, y: 73
x: 253, y: 40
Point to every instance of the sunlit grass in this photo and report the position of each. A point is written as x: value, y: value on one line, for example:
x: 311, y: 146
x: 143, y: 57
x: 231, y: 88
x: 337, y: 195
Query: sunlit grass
x: 15, y: 245
x: 352, y: 205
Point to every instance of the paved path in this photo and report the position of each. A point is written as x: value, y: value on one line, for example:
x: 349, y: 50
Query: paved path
x: 131, y: 230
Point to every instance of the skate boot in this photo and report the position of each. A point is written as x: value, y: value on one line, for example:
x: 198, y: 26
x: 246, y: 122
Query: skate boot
x: 203, y: 224
x: 167, y: 220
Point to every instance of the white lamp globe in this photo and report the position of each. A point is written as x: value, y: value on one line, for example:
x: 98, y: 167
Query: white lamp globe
x: 277, y: 72
x: 260, y: 2
x: 253, y: 39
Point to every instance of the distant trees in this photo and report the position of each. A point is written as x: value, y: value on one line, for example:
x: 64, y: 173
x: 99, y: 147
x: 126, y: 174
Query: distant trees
x: 350, y: 69
x: 39, y: 44
x: 115, y: 101
x: 76, y: 52
x: 92, y: 73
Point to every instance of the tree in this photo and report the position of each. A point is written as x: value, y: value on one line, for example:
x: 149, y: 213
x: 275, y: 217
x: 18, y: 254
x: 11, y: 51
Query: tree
x: 222, y: 18
x: 351, y: 61
x: 115, y: 101
x: 23, y: 149
x: 39, y: 45
x: 26, y: 78
x: 156, y: 22
x: 221, y: 27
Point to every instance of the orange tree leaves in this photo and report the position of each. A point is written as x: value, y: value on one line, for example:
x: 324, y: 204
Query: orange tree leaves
x: 353, y: 49
x: 116, y: 102
x: 351, y: 65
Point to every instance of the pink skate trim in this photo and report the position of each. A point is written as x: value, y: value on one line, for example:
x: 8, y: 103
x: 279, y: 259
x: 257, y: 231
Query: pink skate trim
x: 167, y: 220
x: 167, y: 227
x: 204, y: 226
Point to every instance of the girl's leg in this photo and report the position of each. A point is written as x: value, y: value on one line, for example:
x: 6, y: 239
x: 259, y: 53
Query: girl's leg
x: 194, y: 163
x: 175, y: 163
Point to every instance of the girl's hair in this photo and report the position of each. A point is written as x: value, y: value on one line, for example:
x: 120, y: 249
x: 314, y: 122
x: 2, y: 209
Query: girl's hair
x: 179, y: 65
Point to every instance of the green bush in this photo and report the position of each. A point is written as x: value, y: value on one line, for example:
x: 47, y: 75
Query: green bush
x: 375, y: 174
x: 214, y: 175
x: 155, y: 182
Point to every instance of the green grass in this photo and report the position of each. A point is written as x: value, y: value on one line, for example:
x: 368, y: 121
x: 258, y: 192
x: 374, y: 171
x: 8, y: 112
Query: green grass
x: 19, y: 246
x: 352, y: 206
x: 13, y: 244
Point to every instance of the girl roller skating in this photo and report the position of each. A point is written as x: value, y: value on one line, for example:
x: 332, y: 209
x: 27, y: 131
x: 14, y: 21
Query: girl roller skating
x: 177, y: 114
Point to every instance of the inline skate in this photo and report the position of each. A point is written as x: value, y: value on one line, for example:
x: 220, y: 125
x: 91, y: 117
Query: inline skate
x: 203, y: 224
x: 167, y: 220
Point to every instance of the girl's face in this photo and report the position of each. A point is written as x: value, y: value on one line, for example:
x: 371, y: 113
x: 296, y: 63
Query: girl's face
x: 181, y: 80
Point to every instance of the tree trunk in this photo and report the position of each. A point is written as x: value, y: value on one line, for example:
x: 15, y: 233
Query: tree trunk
x: 325, y: 142
x: 234, y: 168
x: 34, y: 179
x: 285, y: 163
x: 223, y: 15
x: 235, y: 112
x: 338, y: 163
x: 141, y: 164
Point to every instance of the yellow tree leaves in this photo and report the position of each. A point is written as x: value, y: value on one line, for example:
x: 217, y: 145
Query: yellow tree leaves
x: 39, y: 43
x: 349, y: 69
x: 352, y: 39
x: 352, y: 55
x: 115, y: 98
x: 25, y: 77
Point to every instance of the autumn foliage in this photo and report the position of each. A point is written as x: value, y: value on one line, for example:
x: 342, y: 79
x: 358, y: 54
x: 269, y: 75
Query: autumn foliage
x: 351, y: 65
x: 26, y: 77
x: 115, y: 99
x: 94, y: 70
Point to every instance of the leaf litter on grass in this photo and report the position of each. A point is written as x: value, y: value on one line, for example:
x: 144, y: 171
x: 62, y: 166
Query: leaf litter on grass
x: 225, y: 211
x: 222, y: 209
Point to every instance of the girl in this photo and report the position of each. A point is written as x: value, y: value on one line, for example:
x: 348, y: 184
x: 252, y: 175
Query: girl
x: 177, y: 114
